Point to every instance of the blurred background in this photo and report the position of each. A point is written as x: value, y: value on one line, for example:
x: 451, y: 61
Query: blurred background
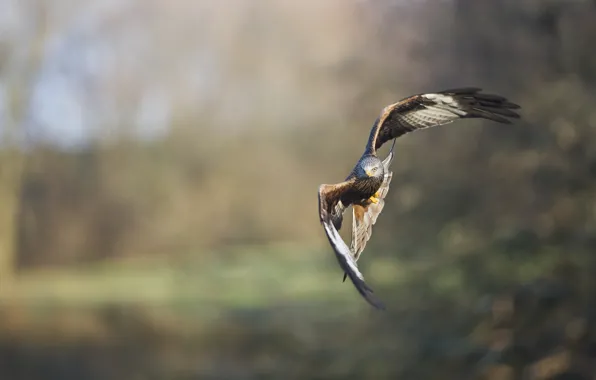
x: 159, y: 163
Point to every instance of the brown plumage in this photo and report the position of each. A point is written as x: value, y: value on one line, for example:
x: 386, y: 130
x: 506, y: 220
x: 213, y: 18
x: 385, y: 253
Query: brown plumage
x: 367, y: 185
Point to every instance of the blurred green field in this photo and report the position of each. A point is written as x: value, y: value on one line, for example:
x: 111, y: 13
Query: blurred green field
x: 243, y: 277
x: 278, y: 312
x: 259, y: 277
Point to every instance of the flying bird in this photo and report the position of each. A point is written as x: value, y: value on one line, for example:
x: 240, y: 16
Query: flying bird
x: 366, y: 187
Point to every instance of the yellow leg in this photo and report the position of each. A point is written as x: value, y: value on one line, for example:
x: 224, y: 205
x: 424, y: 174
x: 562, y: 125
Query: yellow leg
x: 374, y: 199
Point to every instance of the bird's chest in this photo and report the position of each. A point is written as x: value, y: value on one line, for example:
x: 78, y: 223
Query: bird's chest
x: 362, y: 190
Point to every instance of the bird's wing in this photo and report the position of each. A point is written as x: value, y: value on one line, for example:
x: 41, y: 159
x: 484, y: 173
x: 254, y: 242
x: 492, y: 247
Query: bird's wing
x: 364, y: 216
x: 329, y: 196
x: 434, y: 109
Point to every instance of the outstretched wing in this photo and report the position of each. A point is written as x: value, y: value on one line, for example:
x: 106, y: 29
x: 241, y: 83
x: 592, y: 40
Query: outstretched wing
x: 329, y: 196
x: 434, y: 109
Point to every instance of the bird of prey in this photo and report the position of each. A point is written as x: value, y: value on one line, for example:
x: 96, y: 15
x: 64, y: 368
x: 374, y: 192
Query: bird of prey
x: 366, y: 187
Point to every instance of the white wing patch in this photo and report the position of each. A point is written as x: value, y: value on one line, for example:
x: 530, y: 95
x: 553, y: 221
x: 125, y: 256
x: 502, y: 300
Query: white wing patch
x: 344, y: 257
x: 348, y: 264
x: 444, y: 110
x: 441, y: 98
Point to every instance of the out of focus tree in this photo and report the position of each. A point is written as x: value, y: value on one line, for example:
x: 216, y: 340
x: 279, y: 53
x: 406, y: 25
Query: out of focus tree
x: 21, y: 55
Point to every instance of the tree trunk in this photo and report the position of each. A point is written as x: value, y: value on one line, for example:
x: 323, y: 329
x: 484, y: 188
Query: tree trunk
x: 19, y: 77
x: 11, y: 165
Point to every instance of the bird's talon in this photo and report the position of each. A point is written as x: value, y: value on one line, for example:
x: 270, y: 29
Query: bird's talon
x: 374, y: 199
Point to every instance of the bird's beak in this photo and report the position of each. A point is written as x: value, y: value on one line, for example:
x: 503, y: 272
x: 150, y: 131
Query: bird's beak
x: 368, y: 173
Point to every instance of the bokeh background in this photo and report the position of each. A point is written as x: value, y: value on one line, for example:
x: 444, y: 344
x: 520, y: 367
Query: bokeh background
x: 159, y: 164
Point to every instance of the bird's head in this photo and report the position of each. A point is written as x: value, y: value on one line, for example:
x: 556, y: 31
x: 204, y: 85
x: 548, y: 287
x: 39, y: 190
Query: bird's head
x: 370, y: 167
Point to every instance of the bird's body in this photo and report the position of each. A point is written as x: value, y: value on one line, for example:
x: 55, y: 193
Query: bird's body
x: 369, y: 173
x: 368, y: 183
x: 366, y: 177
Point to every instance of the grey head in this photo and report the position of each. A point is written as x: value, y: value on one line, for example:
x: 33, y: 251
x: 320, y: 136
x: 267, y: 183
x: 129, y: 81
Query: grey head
x: 369, y: 167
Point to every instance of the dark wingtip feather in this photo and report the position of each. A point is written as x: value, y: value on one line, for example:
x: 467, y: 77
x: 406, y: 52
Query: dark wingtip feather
x: 490, y: 97
x: 344, y: 258
x: 503, y: 111
x: 461, y: 90
x: 366, y: 292
x: 481, y: 113
x: 487, y: 106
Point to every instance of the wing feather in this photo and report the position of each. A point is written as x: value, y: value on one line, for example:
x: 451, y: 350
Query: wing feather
x: 330, y: 204
x: 434, y: 109
x: 364, y: 216
x: 329, y: 196
x: 410, y: 114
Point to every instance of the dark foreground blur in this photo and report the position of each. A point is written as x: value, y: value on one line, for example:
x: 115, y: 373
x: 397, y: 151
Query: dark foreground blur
x: 159, y: 169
